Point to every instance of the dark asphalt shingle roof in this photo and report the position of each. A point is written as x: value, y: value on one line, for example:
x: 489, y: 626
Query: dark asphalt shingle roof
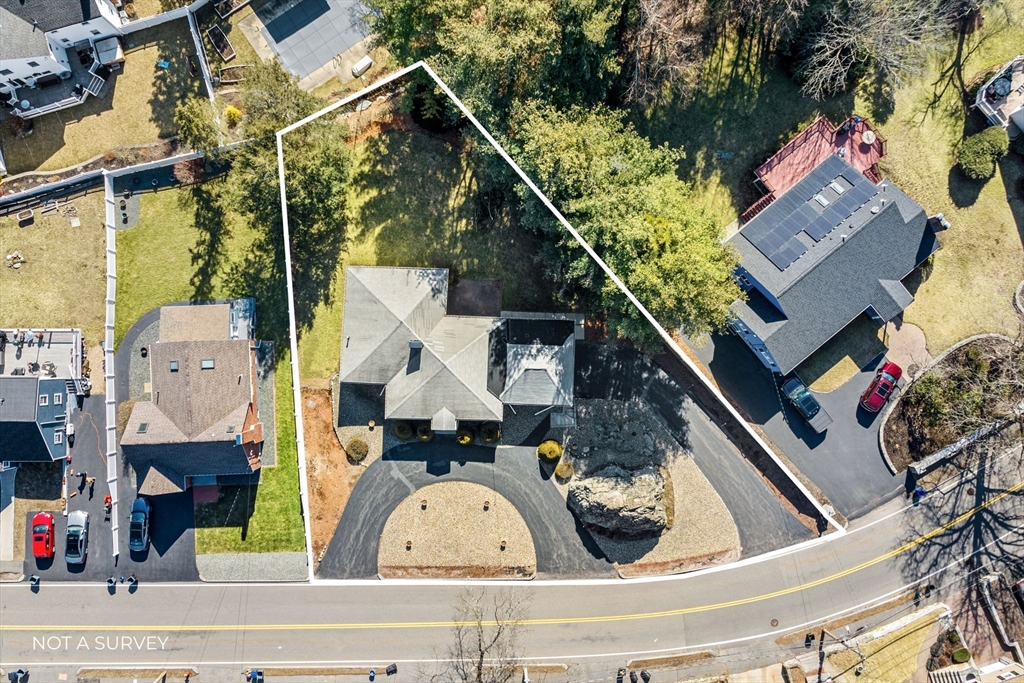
x: 52, y: 14
x: 859, y: 265
x: 20, y: 39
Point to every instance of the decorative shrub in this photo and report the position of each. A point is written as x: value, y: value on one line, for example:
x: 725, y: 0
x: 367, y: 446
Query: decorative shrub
x: 424, y: 432
x: 490, y: 432
x: 550, y: 450
x: 357, y: 450
x: 464, y: 436
x: 961, y: 655
x: 232, y: 115
x: 564, y: 470
x: 979, y: 153
x: 402, y: 430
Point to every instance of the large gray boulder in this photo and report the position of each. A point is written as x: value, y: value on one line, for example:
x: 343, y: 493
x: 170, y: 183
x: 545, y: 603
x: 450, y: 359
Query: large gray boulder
x: 620, y: 503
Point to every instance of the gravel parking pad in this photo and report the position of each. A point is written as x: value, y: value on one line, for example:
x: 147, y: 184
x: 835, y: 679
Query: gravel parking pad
x: 464, y: 531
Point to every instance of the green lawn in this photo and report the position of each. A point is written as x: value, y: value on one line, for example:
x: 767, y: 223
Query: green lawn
x: 136, y: 107
x: 749, y: 108
x: 414, y: 203
x: 183, y: 248
x: 265, y: 518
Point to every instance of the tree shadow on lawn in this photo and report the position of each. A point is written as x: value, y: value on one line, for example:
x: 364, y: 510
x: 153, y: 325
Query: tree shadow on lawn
x: 424, y: 208
x: 745, y: 106
x: 174, y: 84
x: 210, y: 249
x: 1011, y: 169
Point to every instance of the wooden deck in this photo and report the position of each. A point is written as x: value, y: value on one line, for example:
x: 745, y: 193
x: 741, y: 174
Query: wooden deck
x: 812, y: 145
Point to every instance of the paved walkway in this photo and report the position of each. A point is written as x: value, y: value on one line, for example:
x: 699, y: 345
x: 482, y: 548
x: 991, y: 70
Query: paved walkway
x: 253, y: 567
x: 7, y: 514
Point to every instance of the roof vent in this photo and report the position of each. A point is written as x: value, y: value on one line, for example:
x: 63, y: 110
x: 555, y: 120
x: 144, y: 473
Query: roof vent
x: 875, y: 209
x: 844, y: 238
x: 415, y: 344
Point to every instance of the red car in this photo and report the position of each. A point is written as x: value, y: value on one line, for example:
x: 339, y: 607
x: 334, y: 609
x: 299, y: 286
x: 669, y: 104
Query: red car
x: 43, y: 544
x: 881, y: 387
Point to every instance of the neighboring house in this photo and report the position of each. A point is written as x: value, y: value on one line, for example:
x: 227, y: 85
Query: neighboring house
x: 52, y: 52
x: 833, y: 246
x: 449, y: 369
x: 1001, y: 98
x: 202, y: 421
x: 40, y: 377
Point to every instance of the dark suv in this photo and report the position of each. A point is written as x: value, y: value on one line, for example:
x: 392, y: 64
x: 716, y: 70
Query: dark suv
x: 138, y: 527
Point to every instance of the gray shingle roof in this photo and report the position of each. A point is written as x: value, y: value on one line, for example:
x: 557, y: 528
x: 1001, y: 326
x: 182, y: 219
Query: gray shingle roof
x: 539, y: 375
x: 20, y: 39
x: 52, y: 14
x: 857, y: 266
x: 18, y: 398
x: 396, y: 332
x: 26, y: 428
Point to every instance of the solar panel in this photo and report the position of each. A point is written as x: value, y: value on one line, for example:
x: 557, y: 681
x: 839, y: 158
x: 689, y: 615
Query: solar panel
x: 819, y: 228
x: 805, y: 214
x: 787, y: 253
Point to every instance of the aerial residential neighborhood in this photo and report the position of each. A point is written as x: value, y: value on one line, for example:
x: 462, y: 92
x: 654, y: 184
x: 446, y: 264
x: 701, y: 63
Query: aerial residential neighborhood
x: 511, y: 341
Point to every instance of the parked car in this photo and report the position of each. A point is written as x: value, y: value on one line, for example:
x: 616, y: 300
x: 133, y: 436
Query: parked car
x: 76, y: 544
x: 43, y: 542
x: 138, y: 526
x: 806, y: 404
x: 880, y: 389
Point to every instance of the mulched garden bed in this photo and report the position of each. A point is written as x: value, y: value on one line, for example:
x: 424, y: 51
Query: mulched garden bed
x: 915, y: 429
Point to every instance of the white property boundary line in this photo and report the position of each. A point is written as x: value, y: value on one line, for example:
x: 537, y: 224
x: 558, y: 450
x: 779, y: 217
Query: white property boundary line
x: 561, y: 219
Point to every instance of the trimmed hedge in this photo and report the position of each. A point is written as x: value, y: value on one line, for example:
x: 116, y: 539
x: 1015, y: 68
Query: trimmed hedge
x: 961, y: 655
x: 564, y: 470
x: 549, y: 450
x: 357, y: 449
x: 464, y: 435
x: 979, y: 153
x: 490, y: 432
x: 424, y: 432
x: 402, y: 430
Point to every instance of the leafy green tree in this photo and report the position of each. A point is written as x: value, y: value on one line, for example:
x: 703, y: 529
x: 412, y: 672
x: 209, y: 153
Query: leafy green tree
x: 496, y: 53
x: 624, y: 198
x: 980, y: 153
x: 194, y: 118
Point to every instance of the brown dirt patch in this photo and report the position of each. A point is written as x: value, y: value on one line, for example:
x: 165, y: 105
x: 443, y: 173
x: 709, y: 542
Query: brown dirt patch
x: 677, y: 662
x: 331, y: 476
x: 144, y: 674
x: 909, y: 435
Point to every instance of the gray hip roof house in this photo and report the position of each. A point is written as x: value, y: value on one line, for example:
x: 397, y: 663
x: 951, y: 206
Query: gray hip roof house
x: 203, y: 416
x: 441, y: 367
x: 835, y: 245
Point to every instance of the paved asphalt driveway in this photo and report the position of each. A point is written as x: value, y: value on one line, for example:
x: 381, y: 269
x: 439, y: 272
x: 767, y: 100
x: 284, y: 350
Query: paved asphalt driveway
x: 171, y: 556
x: 564, y: 549
x: 845, y: 462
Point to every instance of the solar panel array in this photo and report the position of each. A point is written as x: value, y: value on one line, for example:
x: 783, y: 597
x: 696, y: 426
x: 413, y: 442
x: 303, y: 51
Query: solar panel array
x: 774, y: 231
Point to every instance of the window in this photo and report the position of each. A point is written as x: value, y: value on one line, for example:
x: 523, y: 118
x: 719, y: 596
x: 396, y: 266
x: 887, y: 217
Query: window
x: 33, y: 63
x: 58, y: 399
x: 206, y: 364
x: 5, y: 72
x: 174, y: 366
x: 143, y: 426
x: 821, y: 200
x: 44, y: 400
x: 64, y: 40
x: 94, y: 32
x: 58, y: 438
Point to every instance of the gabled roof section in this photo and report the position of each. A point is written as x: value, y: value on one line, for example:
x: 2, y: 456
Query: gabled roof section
x: 540, y: 375
x: 195, y: 323
x: 18, y: 398
x: 20, y: 39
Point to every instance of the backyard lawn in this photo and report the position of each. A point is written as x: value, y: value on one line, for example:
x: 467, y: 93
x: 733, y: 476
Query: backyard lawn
x: 264, y: 518
x: 183, y: 248
x: 747, y: 109
x: 414, y: 203
x: 63, y: 283
x: 137, y: 106
x: 893, y: 658
x: 151, y: 8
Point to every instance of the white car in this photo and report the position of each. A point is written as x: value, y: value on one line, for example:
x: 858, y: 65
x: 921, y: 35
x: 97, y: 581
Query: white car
x: 77, y: 538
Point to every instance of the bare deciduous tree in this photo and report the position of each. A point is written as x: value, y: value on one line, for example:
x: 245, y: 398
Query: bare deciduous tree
x: 485, y: 645
x: 664, y: 47
x: 775, y: 19
x: 894, y: 36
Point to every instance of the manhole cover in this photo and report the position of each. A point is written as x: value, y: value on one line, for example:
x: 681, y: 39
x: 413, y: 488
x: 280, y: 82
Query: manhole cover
x: 775, y: 622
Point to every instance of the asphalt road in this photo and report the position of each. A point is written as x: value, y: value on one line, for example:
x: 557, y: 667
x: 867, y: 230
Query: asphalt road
x: 370, y: 622
x: 845, y: 462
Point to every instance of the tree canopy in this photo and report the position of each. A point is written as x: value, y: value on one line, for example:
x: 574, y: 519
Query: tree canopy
x: 624, y: 198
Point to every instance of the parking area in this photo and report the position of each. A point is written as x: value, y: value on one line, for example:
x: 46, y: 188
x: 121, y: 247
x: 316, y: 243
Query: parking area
x: 845, y: 461
x: 171, y: 556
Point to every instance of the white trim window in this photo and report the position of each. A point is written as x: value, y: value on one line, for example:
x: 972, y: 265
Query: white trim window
x: 58, y: 399
x: 44, y: 400
x: 58, y: 438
